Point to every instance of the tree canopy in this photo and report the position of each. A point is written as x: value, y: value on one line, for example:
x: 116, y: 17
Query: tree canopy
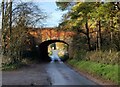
x: 98, y: 21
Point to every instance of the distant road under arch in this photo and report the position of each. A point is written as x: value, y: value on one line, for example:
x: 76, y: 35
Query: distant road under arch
x: 43, y: 49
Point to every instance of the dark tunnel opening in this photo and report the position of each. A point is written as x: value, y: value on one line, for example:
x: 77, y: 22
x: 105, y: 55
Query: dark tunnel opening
x: 43, y: 49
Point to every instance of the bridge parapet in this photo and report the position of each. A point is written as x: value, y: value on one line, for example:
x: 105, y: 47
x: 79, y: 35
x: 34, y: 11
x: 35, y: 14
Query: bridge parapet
x: 41, y: 35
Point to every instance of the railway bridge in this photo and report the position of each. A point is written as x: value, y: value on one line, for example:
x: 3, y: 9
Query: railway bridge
x: 41, y: 40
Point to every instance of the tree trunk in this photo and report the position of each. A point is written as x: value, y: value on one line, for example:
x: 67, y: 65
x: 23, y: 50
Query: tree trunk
x: 87, y: 33
x: 2, y: 15
x: 10, y: 18
x: 10, y: 26
x: 97, y: 46
x: 111, y: 31
x: 99, y: 35
x: 3, y: 26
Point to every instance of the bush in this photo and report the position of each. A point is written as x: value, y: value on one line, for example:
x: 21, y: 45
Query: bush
x: 79, y: 55
x: 12, y: 66
x: 9, y: 64
x: 105, y: 57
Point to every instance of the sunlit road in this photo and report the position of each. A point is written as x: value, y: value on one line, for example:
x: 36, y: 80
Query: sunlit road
x: 61, y: 74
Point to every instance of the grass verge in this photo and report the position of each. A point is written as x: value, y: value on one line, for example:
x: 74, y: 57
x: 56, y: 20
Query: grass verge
x: 105, y: 71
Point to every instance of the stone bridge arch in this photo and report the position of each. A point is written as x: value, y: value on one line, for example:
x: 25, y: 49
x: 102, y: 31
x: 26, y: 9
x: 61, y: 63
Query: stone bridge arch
x: 43, y: 49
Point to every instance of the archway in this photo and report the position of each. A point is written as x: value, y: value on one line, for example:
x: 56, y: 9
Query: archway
x: 43, y: 49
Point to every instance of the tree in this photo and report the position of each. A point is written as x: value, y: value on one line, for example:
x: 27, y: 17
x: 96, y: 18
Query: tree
x: 29, y: 14
x: 64, y: 5
x: 82, y: 18
x: 79, y: 16
x: 6, y: 23
x: 16, y: 22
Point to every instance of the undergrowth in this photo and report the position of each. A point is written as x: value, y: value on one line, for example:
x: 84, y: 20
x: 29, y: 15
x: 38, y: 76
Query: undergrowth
x: 105, y: 71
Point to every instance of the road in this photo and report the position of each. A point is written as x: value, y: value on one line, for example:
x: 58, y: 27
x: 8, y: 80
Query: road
x: 45, y: 74
x: 61, y: 74
x: 33, y: 74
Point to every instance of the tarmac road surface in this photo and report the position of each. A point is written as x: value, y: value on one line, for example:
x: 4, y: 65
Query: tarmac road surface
x: 61, y: 74
x: 45, y: 74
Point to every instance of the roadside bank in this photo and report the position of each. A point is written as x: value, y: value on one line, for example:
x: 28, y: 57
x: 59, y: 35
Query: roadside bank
x: 102, y: 74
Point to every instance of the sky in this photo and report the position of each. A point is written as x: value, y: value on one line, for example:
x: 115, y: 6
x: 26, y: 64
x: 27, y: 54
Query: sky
x: 54, y: 14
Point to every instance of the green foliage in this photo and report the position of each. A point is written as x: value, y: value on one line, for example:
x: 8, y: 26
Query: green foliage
x: 101, y: 63
x: 97, y: 21
x: 97, y: 27
x: 105, y: 57
x: 107, y: 72
x: 61, y: 5
x: 79, y: 55
x: 79, y: 42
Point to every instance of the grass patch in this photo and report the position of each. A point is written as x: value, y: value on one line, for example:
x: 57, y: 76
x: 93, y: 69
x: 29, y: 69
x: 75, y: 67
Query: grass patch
x: 106, y: 71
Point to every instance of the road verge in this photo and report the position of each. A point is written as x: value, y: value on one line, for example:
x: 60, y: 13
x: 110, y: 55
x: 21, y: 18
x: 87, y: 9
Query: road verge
x: 99, y: 73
